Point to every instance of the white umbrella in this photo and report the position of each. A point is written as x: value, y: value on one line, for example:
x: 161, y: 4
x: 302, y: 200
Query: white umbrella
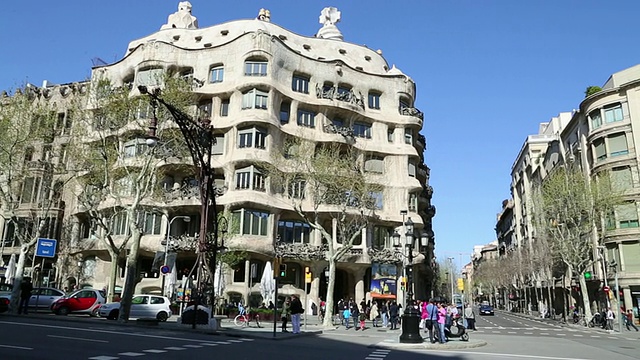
x: 218, y: 281
x: 11, y: 269
x: 267, y: 283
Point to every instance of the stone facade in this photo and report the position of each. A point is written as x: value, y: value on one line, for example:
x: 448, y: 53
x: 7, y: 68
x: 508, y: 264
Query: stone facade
x: 254, y: 77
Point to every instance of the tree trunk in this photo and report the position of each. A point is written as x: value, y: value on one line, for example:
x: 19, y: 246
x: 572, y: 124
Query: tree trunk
x: 328, y: 317
x: 113, y: 271
x: 130, y: 279
x: 17, y: 279
x: 585, y: 299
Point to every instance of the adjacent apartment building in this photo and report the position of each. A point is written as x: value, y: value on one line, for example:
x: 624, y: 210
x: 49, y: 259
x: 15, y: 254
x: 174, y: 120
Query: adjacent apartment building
x: 258, y: 84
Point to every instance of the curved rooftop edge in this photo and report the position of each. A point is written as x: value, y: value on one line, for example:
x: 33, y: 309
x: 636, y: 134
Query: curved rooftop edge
x: 355, y: 56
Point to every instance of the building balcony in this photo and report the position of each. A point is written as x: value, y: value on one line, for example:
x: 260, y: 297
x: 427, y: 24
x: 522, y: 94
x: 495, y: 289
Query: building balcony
x: 411, y: 111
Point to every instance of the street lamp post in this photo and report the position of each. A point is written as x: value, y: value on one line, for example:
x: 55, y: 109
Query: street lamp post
x: 411, y: 315
x: 166, y: 246
x: 614, y: 266
x: 198, y: 136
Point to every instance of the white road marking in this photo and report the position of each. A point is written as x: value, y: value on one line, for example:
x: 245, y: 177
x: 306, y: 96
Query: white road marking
x: 209, y: 344
x: 192, y: 346
x: 131, y: 354
x: 223, y: 342
x: 509, y: 356
x: 175, y: 348
x: 595, y: 336
x: 100, y: 331
x: 154, y: 351
x: 16, y: 347
x: 245, y: 339
x: 102, y: 358
x: 578, y: 335
x: 234, y: 341
x: 76, y: 338
x: 544, y: 333
x: 512, y: 332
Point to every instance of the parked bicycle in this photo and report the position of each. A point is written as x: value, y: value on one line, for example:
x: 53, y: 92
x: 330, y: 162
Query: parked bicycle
x: 244, y: 320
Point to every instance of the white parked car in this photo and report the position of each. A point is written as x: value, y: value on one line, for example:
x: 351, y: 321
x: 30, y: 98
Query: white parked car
x: 142, y: 306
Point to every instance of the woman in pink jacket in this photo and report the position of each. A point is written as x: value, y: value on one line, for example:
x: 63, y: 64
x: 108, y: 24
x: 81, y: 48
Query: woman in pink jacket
x: 442, y: 316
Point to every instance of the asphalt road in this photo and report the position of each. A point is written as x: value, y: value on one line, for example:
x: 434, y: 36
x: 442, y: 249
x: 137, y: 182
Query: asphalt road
x: 507, y: 337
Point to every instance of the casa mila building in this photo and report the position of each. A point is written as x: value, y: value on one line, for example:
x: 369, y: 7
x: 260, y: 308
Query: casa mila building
x: 259, y: 83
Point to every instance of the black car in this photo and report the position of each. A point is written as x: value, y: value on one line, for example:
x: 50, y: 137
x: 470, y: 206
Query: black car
x: 486, y: 310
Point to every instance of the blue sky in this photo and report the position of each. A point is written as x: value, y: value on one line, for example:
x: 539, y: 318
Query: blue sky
x: 487, y: 72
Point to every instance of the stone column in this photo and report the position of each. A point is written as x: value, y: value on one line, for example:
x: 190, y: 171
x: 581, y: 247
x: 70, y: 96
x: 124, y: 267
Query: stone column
x: 317, y: 268
x: 358, y: 276
x: 626, y: 299
x: 247, y: 278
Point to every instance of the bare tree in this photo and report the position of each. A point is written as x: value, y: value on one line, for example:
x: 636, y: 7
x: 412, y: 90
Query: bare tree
x: 569, y: 211
x: 326, y: 186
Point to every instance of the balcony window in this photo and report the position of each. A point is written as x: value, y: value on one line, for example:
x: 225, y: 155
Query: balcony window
x: 362, y: 130
x: 216, y: 74
x: 250, y: 178
x: 390, y: 135
x: 613, y: 113
x: 381, y: 237
x: 618, y: 145
x: 306, y: 118
x: 627, y: 215
x: 134, y: 148
x: 291, y: 232
x: 296, y: 188
x: 412, y: 169
x: 255, y: 68
x: 255, y: 99
x: 285, y: 111
x: 600, y: 150
x: 621, y: 178
x: 218, y: 146
x: 377, y: 199
x: 596, y: 119
x: 300, y: 83
x: 150, y: 77
x: 204, y: 109
x: 149, y: 222
x: 119, y: 224
x: 224, y: 107
x: 408, y: 136
x: 374, y: 100
x: 252, y: 137
x: 413, y: 202
x: 374, y: 164
x: 250, y: 222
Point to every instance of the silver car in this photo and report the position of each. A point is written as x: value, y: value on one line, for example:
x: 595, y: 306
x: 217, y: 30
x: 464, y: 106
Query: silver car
x: 42, y: 298
x: 142, y: 306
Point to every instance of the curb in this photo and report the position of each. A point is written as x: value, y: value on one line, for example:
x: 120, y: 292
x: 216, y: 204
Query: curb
x: 450, y: 345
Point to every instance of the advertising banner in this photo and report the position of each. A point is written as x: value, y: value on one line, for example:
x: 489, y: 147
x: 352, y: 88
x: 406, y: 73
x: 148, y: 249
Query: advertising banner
x: 383, y: 281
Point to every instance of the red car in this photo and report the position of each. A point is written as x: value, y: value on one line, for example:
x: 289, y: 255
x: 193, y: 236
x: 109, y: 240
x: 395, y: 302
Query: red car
x: 83, y: 301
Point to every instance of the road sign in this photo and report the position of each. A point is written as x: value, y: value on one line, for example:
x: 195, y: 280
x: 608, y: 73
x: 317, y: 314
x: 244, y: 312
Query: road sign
x: 46, y: 248
x: 165, y: 269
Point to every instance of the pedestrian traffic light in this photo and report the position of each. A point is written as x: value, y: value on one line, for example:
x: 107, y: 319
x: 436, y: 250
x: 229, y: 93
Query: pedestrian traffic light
x: 587, y: 275
x: 283, y: 270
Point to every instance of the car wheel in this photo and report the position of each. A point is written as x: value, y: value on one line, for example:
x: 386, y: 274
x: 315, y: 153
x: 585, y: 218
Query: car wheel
x: 162, y: 316
x: 94, y: 312
x: 62, y: 311
x: 113, y: 315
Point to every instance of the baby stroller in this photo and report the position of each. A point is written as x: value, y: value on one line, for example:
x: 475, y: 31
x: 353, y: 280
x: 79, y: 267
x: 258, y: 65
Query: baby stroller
x: 453, y: 330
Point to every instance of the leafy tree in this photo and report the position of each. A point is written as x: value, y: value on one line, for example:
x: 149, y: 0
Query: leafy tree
x: 327, y: 188
x: 30, y: 186
x: 569, y: 208
x: 592, y: 90
x: 120, y: 171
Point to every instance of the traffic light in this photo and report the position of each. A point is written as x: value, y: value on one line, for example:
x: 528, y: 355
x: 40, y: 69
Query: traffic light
x: 460, y: 284
x: 283, y: 270
x: 587, y: 275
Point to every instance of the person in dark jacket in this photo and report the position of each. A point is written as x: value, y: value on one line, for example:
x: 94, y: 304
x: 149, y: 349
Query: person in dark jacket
x: 296, y: 310
x: 393, y: 314
x: 25, y: 294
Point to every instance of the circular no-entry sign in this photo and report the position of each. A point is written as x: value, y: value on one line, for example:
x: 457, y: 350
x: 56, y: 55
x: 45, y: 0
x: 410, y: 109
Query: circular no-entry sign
x: 165, y: 270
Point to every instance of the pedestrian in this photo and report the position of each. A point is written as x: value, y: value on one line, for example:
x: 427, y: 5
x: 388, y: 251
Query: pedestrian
x: 470, y: 316
x: 286, y: 313
x: 384, y: 314
x: 355, y: 315
x: 339, y: 309
x: 610, y: 316
x: 346, y: 315
x: 393, y: 314
x: 296, y: 311
x: 442, y: 317
x: 431, y: 322
x: 374, y: 314
x: 628, y: 320
x: 363, y: 319
x: 271, y: 306
x: 25, y: 294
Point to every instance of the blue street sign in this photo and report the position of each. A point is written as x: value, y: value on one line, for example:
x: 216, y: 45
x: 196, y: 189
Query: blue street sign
x: 46, y: 248
x: 165, y: 269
